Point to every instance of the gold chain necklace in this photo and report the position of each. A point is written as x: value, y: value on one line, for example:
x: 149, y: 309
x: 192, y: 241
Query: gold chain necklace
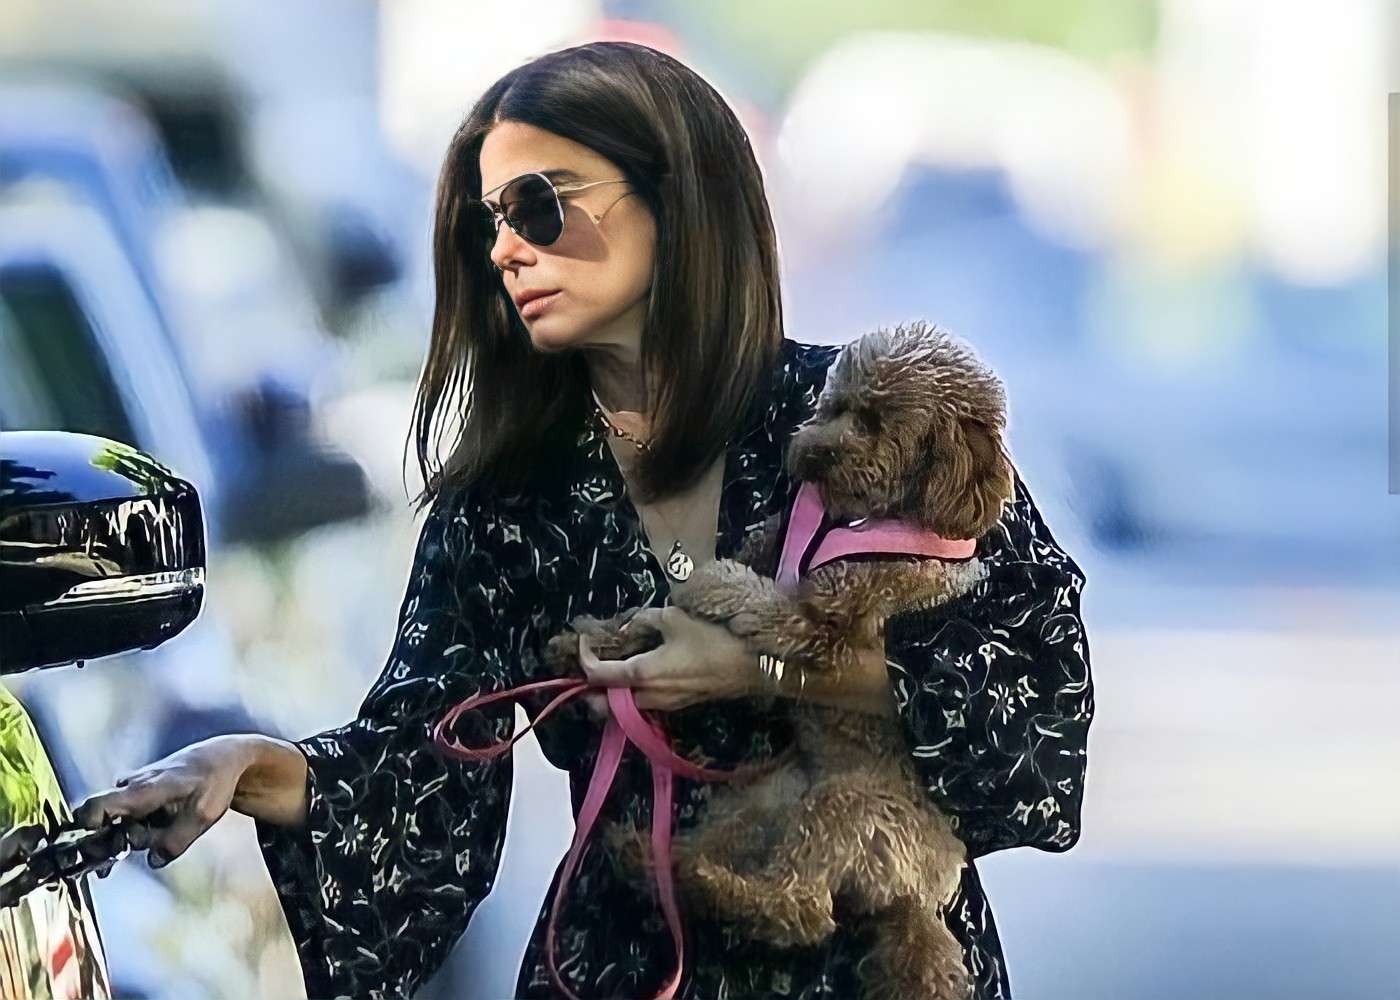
x: 643, y: 445
x: 678, y: 565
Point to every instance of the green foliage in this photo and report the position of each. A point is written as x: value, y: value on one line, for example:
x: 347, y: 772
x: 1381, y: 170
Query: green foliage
x: 27, y: 779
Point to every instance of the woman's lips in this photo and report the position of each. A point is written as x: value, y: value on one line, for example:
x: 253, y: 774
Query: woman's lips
x: 538, y: 305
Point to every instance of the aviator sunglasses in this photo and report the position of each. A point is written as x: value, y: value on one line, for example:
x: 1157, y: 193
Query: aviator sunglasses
x: 533, y: 207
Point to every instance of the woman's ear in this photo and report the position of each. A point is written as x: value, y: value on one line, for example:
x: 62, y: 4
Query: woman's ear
x: 969, y: 479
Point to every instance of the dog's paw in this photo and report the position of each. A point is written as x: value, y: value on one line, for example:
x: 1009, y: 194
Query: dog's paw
x: 620, y: 637
x: 611, y: 639
x: 730, y: 574
x: 560, y: 655
x: 719, y: 590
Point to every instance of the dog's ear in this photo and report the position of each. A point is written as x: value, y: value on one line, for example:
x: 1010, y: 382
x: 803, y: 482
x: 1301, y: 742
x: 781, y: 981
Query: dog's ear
x: 969, y: 479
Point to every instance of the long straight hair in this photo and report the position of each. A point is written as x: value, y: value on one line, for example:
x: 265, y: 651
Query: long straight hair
x: 713, y: 321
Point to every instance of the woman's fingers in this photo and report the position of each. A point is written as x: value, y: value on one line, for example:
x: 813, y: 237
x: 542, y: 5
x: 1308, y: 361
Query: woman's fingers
x: 174, y: 841
x: 678, y: 673
x: 136, y: 800
x: 652, y: 616
x: 92, y: 813
x: 666, y: 621
x: 611, y: 673
x: 162, y: 825
x: 140, y: 836
x: 171, y: 803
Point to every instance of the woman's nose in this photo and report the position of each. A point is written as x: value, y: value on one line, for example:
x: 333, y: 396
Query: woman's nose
x: 509, y: 247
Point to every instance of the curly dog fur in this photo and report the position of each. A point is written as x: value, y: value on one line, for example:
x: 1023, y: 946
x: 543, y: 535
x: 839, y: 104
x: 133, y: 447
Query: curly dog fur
x: 909, y: 426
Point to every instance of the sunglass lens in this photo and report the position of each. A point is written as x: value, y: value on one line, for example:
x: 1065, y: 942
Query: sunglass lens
x: 532, y: 209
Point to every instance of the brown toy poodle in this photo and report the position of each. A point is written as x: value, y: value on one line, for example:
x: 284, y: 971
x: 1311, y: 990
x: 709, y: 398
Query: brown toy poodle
x: 909, y: 428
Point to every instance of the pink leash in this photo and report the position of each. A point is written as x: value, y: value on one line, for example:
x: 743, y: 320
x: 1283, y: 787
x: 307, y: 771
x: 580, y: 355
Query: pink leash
x: 626, y: 723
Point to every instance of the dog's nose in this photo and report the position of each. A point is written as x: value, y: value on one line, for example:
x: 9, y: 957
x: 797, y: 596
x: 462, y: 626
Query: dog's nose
x: 818, y: 459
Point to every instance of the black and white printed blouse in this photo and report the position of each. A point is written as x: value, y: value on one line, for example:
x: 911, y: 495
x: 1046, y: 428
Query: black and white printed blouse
x: 401, y: 844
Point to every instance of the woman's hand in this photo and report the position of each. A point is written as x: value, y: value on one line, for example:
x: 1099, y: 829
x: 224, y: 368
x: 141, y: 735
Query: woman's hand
x: 172, y: 802
x: 697, y: 661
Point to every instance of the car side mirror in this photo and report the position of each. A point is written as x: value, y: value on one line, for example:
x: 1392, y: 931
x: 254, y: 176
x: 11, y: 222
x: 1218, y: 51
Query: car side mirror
x: 102, y: 550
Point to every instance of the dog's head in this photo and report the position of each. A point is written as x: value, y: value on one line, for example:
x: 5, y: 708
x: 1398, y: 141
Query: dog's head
x: 909, y: 426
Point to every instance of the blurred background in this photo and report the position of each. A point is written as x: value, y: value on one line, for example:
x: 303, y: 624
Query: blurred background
x: 1163, y: 222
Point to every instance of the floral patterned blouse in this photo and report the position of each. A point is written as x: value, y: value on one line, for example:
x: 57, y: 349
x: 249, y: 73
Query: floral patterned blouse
x: 402, y: 844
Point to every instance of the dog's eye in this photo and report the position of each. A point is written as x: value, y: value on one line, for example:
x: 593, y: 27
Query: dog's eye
x: 867, y: 421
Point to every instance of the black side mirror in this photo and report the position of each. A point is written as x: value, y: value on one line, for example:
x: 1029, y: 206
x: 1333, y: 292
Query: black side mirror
x: 102, y: 550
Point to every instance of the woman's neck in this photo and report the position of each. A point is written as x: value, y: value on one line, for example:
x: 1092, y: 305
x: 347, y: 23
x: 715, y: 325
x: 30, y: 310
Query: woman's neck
x: 616, y: 378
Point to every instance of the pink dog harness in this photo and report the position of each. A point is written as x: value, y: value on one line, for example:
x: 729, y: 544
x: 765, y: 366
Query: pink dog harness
x: 805, y: 546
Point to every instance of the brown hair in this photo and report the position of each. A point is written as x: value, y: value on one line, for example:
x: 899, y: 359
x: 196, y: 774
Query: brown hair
x: 713, y: 322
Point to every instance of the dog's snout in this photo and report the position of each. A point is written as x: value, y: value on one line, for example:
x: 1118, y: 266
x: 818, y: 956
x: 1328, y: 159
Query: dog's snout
x: 816, y: 459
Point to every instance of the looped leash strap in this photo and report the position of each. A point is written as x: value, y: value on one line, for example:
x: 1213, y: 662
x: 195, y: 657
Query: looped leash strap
x: 625, y: 724
x: 442, y: 732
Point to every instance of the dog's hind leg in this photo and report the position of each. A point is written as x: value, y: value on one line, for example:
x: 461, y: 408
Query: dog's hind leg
x: 873, y: 845
x: 735, y: 867
x: 914, y: 955
x: 774, y: 905
x: 769, y: 905
x: 894, y: 863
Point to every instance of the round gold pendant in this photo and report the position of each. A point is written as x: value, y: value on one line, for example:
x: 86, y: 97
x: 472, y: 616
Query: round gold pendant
x: 678, y: 564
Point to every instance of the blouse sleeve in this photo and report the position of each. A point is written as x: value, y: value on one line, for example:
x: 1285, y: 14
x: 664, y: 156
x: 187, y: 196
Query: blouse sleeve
x: 401, y: 844
x: 994, y: 691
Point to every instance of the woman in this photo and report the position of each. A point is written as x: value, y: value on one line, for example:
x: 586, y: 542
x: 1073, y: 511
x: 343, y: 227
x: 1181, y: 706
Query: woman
x: 633, y: 416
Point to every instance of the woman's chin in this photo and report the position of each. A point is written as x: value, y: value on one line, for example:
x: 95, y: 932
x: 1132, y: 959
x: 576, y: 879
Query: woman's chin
x: 549, y: 340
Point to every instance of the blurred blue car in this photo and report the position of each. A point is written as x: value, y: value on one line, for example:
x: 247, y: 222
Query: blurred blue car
x: 83, y: 145
x: 1260, y: 461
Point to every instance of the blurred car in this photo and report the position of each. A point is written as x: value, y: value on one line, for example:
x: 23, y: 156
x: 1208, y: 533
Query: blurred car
x: 102, y: 550
x: 82, y: 348
x: 221, y: 288
x: 95, y: 349
x: 1257, y: 458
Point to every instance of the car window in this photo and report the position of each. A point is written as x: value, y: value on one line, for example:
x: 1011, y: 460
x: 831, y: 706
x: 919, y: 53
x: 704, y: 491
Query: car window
x: 62, y: 375
x: 25, y: 403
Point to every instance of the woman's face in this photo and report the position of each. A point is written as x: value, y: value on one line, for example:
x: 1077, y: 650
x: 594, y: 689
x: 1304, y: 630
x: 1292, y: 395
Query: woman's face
x: 601, y: 268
